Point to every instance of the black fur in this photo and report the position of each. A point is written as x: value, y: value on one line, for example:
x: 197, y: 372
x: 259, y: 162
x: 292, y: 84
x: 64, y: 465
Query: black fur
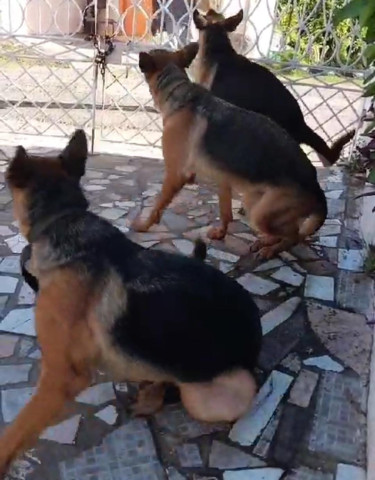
x: 31, y: 281
x: 240, y: 142
x: 181, y: 315
x: 251, y: 86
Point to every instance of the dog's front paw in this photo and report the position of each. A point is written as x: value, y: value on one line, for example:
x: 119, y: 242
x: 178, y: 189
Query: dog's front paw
x: 4, y: 466
x: 216, y: 233
x: 139, y: 225
x: 149, y: 401
x: 256, y: 246
x: 266, y: 253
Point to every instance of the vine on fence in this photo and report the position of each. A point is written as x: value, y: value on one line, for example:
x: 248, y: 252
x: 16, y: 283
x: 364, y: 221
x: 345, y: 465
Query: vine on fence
x: 364, y: 12
x: 307, y: 32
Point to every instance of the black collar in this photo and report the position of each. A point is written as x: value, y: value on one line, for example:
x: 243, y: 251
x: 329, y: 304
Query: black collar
x: 37, y: 230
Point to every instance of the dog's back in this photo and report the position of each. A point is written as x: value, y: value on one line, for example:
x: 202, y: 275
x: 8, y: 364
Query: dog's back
x: 244, y: 143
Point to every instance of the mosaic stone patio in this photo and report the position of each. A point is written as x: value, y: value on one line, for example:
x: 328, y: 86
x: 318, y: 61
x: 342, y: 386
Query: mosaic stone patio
x: 309, y: 418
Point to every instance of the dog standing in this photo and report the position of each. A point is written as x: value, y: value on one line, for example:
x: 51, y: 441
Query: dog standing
x: 238, y: 149
x: 251, y: 86
x: 106, y: 302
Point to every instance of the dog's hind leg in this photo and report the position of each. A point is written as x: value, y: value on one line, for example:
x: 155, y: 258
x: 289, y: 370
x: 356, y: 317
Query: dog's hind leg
x: 172, y: 184
x: 68, y: 353
x: 225, y: 399
x: 276, y: 216
x: 226, y: 215
x: 150, y: 399
x: 44, y: 409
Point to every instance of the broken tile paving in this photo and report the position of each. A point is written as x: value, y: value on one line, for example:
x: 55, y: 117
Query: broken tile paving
x: 309, y: 419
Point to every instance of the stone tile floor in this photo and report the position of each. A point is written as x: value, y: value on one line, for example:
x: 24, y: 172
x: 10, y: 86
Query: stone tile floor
x: 309, y: 418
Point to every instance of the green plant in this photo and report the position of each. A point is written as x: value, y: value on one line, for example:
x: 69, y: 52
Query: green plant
x: 304, y: 26
x: 369, y: 263
x: 364, y: 12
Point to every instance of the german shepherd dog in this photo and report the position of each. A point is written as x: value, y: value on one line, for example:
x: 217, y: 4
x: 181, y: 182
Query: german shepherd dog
x: 106, y: 302
x: 238, y: 149
x: 251, y: 86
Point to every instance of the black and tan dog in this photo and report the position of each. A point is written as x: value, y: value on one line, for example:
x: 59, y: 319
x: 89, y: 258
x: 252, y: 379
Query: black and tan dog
x: 106, y: 302
x: 248, y: 85
x: 238, y: 149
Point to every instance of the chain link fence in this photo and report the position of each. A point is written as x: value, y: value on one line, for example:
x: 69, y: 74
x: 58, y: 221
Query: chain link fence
x: 55, y: 76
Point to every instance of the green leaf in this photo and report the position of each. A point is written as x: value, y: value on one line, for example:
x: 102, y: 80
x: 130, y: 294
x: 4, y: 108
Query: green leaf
x: 369, y: 77
x: 370, y: 34
x: 366, y: 14
x: 371, y: 176
x: 370, y: 54
x: 370, y: 90
x: 370, y: 127
x: 352, y: 9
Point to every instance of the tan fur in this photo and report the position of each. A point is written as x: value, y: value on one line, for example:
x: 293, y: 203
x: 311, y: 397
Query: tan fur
x: 225, y: 399
x: 275, y: 212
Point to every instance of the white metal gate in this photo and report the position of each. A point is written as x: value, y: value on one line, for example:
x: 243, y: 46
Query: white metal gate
x: 51, y: 78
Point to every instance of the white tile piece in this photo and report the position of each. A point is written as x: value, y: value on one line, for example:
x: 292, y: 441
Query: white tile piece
x: 329, y: 229
x: 225, y: 267
x: 5, y: 231
x: 320, y: 287
x: 108, y: 415
x: 19, y: 321
x: 303, y: 388
x: 64, y: 433
x: 350, y: 472
x: 126, y: 204
x: 254, y: 474
x: 246, y: 430
x: 16, y: 243
x: 351, y: 260
x: 287, y: 257
x: 225, y: 256
x: 270, y: 265
x: 126, y: 168
x: 93, y: 188
x: 336, y: 175
x: 330, y: 242
x: 12, y: 401
x: 335, y: 194
x: 8, y: 284
x: 186, y: 247
x: 10, y: 264
x: 14, y: 374
x: 333, y: 221
x: 100, y: 181
x: 324, y: 362
x: 112, y: 213
x: 287, y: 275
x: 278, y: 315
x: 26, y: 295
x: 257, y: 285
x: 98, y: 394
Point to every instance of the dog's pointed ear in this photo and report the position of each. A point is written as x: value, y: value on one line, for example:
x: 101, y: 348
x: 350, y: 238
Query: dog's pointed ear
x: 199, y: 20
x: 187, y: 54
x: 73, y: 157
x: 20, y: 169
x: 146, y: 63
x: 231, y: 23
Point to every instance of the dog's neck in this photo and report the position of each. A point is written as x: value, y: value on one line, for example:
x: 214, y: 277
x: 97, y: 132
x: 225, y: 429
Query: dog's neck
x: 214, y: 44
x: 46, y: 208
x: 172, y: 89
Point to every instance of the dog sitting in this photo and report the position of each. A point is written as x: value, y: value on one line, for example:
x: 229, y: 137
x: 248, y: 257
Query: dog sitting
x: 106, y: 302
x: 248, y: 85
x: 237, y: 149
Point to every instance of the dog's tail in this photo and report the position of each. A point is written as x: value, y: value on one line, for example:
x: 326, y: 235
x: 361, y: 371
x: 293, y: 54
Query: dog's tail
x: 200, y: 250
x: 31, y: 281
x: 328, y: 156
